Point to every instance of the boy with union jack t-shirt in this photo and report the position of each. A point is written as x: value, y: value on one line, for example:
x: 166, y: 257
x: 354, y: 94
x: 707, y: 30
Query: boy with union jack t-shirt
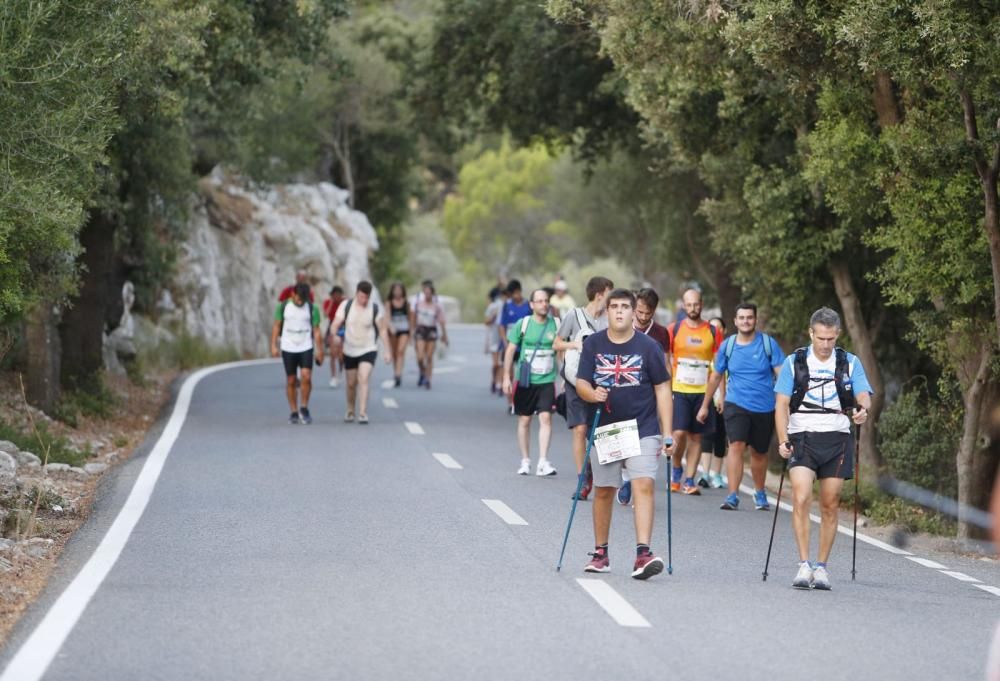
x: 625, y: 372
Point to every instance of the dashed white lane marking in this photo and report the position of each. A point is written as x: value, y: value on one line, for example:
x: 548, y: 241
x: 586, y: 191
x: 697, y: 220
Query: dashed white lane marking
x: 389, y: 403
x: 388, y: 383
x: 446, y: 370
x: 934, y: 565
x: 447, y: 461
x: 37, y: 653
x: 843, y: 529
x: 508, y: 514
x: 614, y: 603
x: 414, y: 428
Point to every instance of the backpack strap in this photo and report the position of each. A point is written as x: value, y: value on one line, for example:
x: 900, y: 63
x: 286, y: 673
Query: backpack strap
x: 524, y: 325
x: 675, y: 329
x: 768, y: 348
x: 728, y: 346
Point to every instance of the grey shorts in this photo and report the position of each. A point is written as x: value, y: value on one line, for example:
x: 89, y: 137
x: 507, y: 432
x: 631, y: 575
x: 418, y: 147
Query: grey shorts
x: 643, y: 466
x: 578, y: 412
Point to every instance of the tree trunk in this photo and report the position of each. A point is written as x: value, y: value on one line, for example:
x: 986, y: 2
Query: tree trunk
x: 861, y: 339
x: 974, y: 462
x: 991, y: 223
x: 886, y: 104
x: 730, y: 295
x: 82, y: 329
x: 42, y: 349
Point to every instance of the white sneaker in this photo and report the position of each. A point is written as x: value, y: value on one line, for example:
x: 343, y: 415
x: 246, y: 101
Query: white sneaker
x: 334, y: 382
x: 545, y: 468
x: 821, y: 579
x: 525, y: 468
x: 804, y: 577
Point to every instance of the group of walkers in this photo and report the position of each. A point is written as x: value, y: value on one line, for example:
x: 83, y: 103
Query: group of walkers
x: 355, y: 327
x: 632, y: 390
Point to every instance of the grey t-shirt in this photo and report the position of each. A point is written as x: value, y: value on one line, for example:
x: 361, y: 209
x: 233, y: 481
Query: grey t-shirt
x: 570, y: 325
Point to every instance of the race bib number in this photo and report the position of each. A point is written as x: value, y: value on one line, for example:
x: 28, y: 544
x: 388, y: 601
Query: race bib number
x: 617, y: 441
x: 543, y: 362
x: 692, y: 372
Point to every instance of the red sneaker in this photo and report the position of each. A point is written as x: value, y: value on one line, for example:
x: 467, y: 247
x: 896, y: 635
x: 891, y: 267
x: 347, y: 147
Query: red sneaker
x: 600, y: 562
x: 646, y: 566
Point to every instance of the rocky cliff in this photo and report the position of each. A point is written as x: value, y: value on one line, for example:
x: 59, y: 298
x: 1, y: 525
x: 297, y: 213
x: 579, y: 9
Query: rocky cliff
x: 245, y: 244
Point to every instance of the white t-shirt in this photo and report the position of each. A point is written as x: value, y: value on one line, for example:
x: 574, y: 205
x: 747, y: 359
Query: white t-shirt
x: 296, y: 329
x: 359, y: 331
x: 428, y: 313
x: 822, y: 392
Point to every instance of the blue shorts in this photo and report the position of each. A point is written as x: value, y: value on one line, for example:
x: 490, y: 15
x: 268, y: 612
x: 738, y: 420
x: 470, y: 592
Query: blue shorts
x: 686, y: 406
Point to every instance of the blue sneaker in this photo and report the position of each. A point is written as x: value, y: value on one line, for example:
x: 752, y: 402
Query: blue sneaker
x: 760, y: 500
x: 732, y: 503
x: 675, y: 480
x: 625, y: 494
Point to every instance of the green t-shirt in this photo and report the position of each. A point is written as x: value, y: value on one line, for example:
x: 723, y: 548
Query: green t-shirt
x: 540, y: 336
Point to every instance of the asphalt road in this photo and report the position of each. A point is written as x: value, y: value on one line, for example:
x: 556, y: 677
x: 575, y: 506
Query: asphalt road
x: 341, y: 551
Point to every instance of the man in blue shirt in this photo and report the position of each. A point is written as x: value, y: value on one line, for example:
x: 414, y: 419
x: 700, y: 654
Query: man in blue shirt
x: 750, y: 359
x: 816, y: 389
x: 625, y: 373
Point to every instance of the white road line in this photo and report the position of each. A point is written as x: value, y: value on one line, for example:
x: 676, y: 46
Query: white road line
x: 388, y: 383
x: 389, y: 403
x: 37, y: 653
x: 411, y: 426
x: 989, y: 589
x: 504, y: 511
x: 960, y: 576
x: 614, y: 603
x: 447, y: 461
x: 934, y: 565
x: 446, y: 370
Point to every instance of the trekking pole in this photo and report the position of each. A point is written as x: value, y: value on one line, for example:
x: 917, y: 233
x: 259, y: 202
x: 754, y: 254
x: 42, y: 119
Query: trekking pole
x: 670, y: 526
x: 774, y: 523
x: 579, y: 485
x: 857, y: 476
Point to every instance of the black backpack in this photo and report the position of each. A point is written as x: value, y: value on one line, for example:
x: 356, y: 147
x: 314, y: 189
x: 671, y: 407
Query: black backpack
x: 841, y: 380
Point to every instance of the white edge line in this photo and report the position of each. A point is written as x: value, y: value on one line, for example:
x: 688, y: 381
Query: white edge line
x: 447, y: 461
x: 842, y: 529
x: 960, y: 576
x: 989, y: 589
x: 411, y: 426
x: 505, y: 512
x: 614, y: 603
x: 933, y: 564
x: 389, y: 403
x: 37, y: 652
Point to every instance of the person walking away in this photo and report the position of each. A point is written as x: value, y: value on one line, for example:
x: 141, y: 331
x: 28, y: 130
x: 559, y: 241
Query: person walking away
x: 561, y: 302
x: 624, y: 373
x: 817, y: 386
x: 494, y: 344
x: 399, y: 329
x: 295, y: 333
x: 579, y: 323
x: 693, y: 342
x: 330, y: 306
x: 364, y: 324
x: 750, y: 360
x: 425, y: 316
x: 714, y: 445
x: 535, y: 390
x: 644, y: 322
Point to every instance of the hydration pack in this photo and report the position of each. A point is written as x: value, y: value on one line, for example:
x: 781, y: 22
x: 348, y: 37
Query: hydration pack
x: 841, y: 380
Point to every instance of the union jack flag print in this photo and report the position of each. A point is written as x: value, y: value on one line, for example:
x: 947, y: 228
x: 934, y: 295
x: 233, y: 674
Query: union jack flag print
x: 614, y: 371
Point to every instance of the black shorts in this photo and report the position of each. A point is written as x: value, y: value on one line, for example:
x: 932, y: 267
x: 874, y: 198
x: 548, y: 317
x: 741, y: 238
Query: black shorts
x: 715, y: 443
x: 427, y: 333
x: 351, y: 363
x: 753, y: 427
x: 297, y: 360
x: 531, y: 399
x: 831, y: 455
x: 578, y: 412
x: 686, y: 406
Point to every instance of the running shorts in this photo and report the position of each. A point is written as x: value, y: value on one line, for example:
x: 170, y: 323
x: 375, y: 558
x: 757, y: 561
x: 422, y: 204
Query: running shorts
x: 643, y: 466
x: 531, y: 399
x: 294, y: 361
x: 351, y: 363
x: 427, y: 333
x: 831, y: 455
x: 715, y: 443
x: 578, y: 412
x: 753, y: 427
x: 686, y: 406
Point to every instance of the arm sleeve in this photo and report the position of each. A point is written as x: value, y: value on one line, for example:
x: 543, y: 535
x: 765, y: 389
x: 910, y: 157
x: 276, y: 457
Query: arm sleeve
x: 859, y: 377
x: 721, y: 363
x: 315, y: 315
x: 277, y: 312
x: 785, y: 383
x: 568, y: 327
x: 514, y: 334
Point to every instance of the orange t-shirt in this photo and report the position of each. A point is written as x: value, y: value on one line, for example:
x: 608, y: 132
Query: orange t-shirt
x: 692, y: 352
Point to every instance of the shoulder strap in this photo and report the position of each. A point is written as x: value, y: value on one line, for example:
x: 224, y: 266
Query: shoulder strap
x: 524, y: 325
x: 728, y: 346
x: 673, y: 334
x: 581, y: 318
x: 768, y: 349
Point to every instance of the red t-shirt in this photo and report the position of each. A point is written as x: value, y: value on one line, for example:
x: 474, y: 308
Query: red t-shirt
x: 286, y: 293
x: 658, y: 333
x: 330, y: 307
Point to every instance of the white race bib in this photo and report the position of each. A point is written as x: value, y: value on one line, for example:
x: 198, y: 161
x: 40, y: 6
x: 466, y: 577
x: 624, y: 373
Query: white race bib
x: 692, y: 372
x: 543, y: 362
x: 617, y: 441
